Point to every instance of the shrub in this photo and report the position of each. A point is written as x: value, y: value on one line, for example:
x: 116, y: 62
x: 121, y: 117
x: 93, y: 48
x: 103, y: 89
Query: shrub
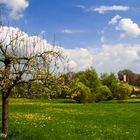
x: 137, y: 93
x: 103, y: 93
x: 122, y: 91
x: 81, y: 93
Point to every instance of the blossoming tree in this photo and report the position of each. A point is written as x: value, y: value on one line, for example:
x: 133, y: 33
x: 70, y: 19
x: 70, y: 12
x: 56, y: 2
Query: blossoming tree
x: 23, y: 59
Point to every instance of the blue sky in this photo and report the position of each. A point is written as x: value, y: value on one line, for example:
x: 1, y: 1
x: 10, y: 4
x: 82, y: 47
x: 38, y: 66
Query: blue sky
x: 96, y: 27
x: 55, y: 16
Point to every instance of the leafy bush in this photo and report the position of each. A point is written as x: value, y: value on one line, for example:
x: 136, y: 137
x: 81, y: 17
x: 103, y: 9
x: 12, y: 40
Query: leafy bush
x: 81, y: 93
x: 122, y: 91
x: 136, y: 93
x: 103, y: 93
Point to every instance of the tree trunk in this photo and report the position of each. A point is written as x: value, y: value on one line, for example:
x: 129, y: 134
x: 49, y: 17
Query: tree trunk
x: 5, y: 101
x: 5, y: 95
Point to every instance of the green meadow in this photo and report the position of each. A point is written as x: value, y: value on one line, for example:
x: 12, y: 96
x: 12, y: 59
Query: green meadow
x: 63, y: 120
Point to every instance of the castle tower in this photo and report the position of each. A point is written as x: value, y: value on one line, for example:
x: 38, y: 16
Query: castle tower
x: 124, y: 78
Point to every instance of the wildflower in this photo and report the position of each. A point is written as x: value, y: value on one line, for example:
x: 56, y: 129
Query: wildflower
x: 3, y: 135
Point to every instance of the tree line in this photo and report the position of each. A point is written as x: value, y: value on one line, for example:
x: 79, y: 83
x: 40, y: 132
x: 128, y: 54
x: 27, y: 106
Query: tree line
x: 82, y: 87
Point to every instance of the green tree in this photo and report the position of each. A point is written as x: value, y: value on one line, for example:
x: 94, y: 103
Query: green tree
x: 89, y: 78
x: 137, y: 80
x: 109, y: 80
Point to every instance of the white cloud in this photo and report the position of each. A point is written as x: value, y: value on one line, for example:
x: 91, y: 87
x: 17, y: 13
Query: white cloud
x: 111, y: 57
x: 68, y: 31
x: 114, y: 20
x: 42, y: 34
x: 35, y: 43
x: 122, y: 35
x: 72, y: 65
x: 129, y: 27
x: 102, y: 39
x: 16, y: 7
x: 104, y: 58
x: 81, y: 57
x: 80, y: 6
x: 103, y: 9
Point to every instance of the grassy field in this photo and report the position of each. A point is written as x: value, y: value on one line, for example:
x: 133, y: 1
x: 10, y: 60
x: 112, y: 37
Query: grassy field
x: 55, y: 120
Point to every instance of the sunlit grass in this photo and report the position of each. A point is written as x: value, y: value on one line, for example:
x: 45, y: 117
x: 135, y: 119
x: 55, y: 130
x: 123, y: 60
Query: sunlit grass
x: 55, y: 120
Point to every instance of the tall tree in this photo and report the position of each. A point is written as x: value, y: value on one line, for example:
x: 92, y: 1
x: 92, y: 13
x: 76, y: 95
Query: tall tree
x: 109, y: 80
x: 23, y: 59
x: 90, y: 78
